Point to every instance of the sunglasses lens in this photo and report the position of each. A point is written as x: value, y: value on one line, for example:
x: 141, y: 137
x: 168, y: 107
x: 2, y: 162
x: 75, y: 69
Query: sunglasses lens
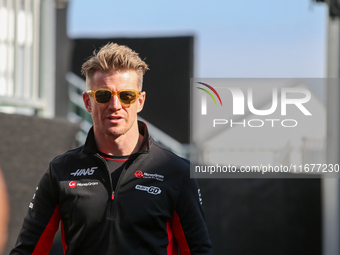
x: 103, y: 96
x: 128, y: 97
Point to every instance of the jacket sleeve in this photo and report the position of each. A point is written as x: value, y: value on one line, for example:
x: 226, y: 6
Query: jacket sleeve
x: 42, y: 219
x: 188, y: 223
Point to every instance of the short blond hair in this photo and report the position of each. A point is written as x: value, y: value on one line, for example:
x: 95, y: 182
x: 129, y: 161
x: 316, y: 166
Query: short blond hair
x: 114, y: 57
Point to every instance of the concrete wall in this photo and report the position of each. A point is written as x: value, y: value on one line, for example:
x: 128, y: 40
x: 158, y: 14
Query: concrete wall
x: 27, y: 145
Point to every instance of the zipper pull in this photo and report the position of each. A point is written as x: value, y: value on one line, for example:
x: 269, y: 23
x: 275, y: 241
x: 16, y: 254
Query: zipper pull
x: 113, y: 195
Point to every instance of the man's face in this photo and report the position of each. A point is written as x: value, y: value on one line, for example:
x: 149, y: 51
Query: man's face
x: 114, y: 119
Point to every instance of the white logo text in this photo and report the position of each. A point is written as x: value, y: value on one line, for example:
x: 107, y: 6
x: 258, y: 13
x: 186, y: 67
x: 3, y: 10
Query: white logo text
x: 80, y: 172
x: 151, y: 190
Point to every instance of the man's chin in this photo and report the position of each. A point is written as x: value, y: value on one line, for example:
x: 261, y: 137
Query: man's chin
x: 114, y: 132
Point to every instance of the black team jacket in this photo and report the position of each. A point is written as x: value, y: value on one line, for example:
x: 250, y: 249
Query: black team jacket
x: 155, y: 208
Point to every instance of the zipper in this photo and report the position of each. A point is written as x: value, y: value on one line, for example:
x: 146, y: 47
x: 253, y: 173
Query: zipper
x: 108, y: 172
x: 114, y: 193
x: 111, y: 202
x: 121, y: 178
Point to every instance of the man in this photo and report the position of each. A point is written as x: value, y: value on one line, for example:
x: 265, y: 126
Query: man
x: 120, y: 193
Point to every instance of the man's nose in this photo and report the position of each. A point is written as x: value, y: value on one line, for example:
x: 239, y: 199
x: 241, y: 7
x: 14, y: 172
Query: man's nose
x: 115, y: 103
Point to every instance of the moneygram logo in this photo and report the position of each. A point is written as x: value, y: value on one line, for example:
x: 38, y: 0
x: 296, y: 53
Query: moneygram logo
x: 243, y: 103
x: 139, y: 174
x: 74, y: 184
x: 204, y: 98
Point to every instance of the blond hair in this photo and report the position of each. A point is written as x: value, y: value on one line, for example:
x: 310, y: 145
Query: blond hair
x: 114, y: 57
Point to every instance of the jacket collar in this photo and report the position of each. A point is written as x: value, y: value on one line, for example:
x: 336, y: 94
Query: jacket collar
x: 90, y: 146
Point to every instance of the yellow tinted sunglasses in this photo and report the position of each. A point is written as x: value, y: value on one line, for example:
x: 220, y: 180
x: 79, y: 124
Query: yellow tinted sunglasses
x: 104, y: 96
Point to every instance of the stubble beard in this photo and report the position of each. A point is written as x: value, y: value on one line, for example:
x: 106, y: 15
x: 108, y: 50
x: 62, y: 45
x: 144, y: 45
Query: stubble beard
x: 111, y: 132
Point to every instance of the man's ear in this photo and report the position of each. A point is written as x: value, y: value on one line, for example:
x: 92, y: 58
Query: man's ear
x: 87, y: 102
x: 141, y: 101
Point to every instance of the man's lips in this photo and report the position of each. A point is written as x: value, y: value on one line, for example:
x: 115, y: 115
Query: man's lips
x: 115, y: 118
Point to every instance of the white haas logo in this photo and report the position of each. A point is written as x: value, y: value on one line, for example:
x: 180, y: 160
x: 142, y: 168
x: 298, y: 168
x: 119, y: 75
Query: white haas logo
x: 88, y: 171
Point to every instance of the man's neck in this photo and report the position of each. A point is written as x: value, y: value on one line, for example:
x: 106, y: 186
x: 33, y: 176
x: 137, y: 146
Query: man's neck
x: 122, y: 145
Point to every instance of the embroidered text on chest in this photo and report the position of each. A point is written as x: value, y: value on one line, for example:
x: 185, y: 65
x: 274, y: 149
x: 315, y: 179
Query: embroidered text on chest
x: 88, y: 171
